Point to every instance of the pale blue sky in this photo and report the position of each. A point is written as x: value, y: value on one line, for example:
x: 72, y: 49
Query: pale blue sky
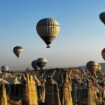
x: 82, y: 35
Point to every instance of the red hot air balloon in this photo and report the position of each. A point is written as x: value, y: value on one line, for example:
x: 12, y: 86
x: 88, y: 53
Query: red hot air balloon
x: 103, y: 53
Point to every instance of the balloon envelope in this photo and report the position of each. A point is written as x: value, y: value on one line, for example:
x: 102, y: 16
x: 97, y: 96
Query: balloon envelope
x: 48, y: 29
x: 41, y: 62
x: 102, y: 17
x: 99, y: 67
x: 92, y: 66
x: 4, y: 68
x: 18, y: 51
x: 103, y: 53
x: 34, y: 65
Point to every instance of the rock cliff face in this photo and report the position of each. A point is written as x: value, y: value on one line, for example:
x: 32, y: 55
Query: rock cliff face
x: 29, y: 94
x: 66, y: 98
x: 4, y: 96
x: 5, y: 99
x: 92, y: 93
x: 31, y: 90
x: 52, y: 93
x: 65, y: 87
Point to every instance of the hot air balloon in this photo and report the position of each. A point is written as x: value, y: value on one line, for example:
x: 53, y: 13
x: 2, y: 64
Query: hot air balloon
x: 102, y: 17
x: 48, y: 29
x: 18, y: 51
x: 99, y: 67
x: 92, y: 66
x: 103, y: 53
x: 4, y: 68
x: 41, y: 62
x: 34, y: 65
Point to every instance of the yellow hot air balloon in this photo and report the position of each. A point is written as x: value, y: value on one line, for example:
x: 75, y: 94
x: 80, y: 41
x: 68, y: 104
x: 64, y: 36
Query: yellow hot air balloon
x: 48, y: 29
x: 99, y: 68
x: 18, y: 51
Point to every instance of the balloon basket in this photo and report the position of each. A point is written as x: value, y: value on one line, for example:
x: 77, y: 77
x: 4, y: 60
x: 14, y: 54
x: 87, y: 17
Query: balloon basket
x: 48, y: 47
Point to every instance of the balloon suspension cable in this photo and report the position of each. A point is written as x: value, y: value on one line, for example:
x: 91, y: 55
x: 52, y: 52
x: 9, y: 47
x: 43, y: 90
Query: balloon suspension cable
x: 48, y: 46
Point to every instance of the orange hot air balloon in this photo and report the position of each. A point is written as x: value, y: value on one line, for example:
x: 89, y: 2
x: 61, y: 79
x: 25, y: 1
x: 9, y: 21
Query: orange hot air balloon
x: 48, y: 30
x: 103, y: 53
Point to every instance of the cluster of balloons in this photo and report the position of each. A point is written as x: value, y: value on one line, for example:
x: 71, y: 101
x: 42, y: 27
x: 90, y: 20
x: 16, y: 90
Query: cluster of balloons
x: 93, y: 66
x: 36, y: 64
x: 102, y: 18
x: 47, y: 29
x: 39, y: 63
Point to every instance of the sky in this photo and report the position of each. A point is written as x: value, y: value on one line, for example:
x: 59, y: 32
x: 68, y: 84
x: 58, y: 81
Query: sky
x: 81, y: 38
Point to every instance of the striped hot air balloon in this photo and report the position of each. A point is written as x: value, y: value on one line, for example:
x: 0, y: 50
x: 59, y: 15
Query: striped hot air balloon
x: 48, y: 29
